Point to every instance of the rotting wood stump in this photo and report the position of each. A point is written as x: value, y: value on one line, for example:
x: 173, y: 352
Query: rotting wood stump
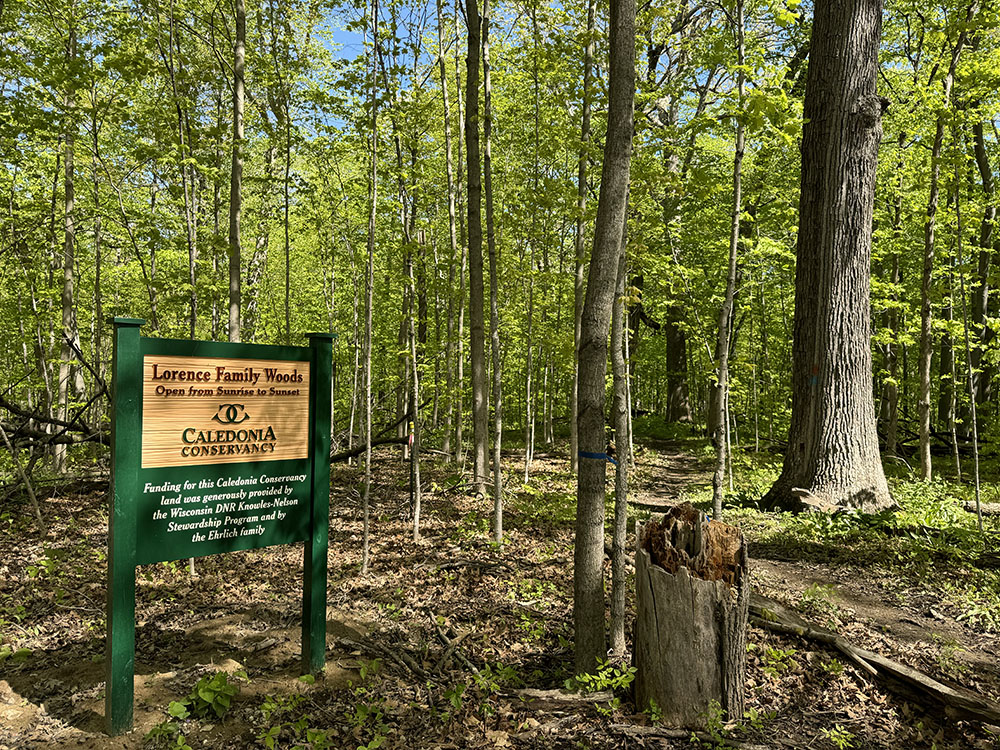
x: 692, y: 602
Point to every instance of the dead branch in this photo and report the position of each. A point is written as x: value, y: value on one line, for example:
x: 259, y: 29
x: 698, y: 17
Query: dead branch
x: 26, y: 480
x: 906, y: 681
x: 359, y: 449
x: 399, y: 656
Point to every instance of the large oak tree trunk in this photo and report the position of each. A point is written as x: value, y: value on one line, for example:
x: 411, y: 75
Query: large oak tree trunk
x: 833, y: 452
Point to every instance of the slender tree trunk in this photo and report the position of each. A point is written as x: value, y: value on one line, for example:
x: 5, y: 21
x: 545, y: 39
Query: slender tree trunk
x: 581, y: 234
x: 69, y: 332
x: 620, y: 411
x: 529, y: 414
x: 287, y: 204
x: 453, y: 259
x: 98, y: 260
x: 460, y: 334
x: 832, y: 455
x: 494, y: 302
x: 891, y: 396
x: 926, y: 345
x: 369, y: 290
x: 236, y: 176
x: 480, y: 408
x: 588, y: 578
x: 982, y: 371
x: 719, y: 422
x: 968, y: 356
x: 417, y: 497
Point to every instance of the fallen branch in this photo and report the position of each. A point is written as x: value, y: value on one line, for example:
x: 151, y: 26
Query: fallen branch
x: 910, y: 683
x: 561, y: 699
x: 399, y: 657
x: 453, y: 646
x: 27, y: 482
x: 359, y: 449
x: 988, y: 509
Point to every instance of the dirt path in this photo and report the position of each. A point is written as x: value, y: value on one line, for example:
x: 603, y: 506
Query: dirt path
x: 666, y: 472
x: 872, y: 608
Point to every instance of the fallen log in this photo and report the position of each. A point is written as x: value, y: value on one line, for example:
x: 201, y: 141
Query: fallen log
x: 955, y: 703
x: 988, y: 509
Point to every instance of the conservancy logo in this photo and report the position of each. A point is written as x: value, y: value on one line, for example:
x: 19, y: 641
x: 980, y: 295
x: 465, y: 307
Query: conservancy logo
x: 231, y: 414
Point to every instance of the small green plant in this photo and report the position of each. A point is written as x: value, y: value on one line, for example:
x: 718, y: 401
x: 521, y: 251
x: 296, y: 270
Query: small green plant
x: 755, y: 720
x: 212, y: 695
x: 166, y: 736
x: 613, y: 677
x: 654, y: 712
x: 947, y: 657
x: 715, y: 728
x: 838, y: 736
x: 834, y: 666
x: 777, y: 661
x: 817, y: 600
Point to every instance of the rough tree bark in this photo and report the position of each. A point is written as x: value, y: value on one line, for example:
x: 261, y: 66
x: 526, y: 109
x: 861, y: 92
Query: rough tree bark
x: 588, y: 578
x: 833, y: 444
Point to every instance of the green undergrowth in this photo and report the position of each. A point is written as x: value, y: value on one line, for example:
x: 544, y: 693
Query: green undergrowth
x: 929, y: 540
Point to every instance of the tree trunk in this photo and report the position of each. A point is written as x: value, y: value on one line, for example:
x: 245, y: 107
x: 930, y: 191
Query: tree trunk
x: 453, y: 259
x: 692, y: 604
x: 926, y: 345
x: 494, y: 293
x: 581, y: 234
x: 891, y: 392
x: 69, y: 332
x: 460, y: 333
x: 982, y: 371
x: 236, y: 176
x: 719, y: 421
x: 588, y: 578
x: 833, y: 443
x: 369, y: 292
x: 619, y: 411
x: 480, y: 409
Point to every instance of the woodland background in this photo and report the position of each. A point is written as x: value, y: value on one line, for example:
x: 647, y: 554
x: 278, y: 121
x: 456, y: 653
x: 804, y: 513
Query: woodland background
x: 117, y: 134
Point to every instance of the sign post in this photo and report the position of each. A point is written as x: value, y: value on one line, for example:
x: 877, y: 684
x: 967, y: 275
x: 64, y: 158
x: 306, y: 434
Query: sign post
x: 216, y: 447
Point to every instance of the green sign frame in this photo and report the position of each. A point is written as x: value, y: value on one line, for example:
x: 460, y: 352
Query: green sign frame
x: 134, y: 537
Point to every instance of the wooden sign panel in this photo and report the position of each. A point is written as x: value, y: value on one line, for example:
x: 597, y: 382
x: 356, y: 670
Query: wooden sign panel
x: 215, y: 410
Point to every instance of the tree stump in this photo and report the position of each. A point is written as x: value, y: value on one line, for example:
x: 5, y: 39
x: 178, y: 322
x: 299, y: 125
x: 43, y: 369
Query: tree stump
x: 692, y: 602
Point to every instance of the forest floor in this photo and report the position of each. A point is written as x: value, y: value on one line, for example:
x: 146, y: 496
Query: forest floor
x: 438, y: 644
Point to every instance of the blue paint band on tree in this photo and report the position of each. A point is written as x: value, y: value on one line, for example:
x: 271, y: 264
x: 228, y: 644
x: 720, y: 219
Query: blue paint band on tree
x: 597, y: 456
